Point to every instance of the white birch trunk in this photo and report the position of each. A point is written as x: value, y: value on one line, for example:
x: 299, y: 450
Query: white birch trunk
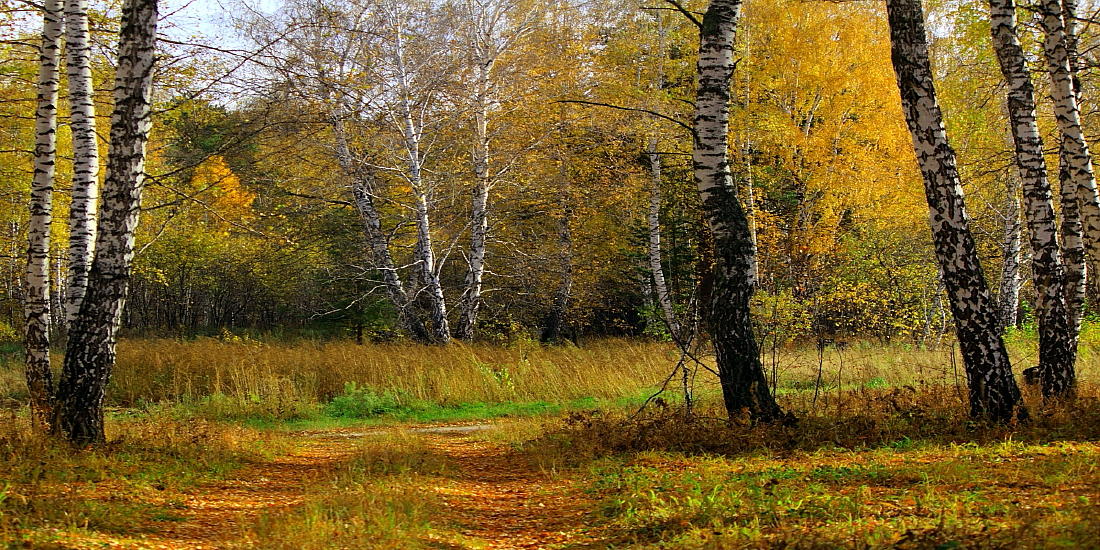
x: 1073, y: 242
x: 1077, y: 174
x: 85, y: 194
x: 37, y: 293
x: 426, y: 260
x: 90, y: 354
x: 1078, y: 158
x: 993, y: 391
x: 1057, y: 346
x: 479, y: 208
x: 745, y: 390
x: 1009, y: 295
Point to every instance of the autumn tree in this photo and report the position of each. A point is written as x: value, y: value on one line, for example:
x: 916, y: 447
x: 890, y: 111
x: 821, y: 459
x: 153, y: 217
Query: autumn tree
x: 993, y: 391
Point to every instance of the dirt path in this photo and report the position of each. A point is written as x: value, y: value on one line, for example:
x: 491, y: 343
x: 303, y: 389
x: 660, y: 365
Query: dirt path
x: 502, y: 500
x: 496, y: 497
x: 222, y: 512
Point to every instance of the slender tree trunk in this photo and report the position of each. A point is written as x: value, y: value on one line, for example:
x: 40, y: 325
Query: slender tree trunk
x: 656, y: 267
x: 744, y: 387
x: 362, y: 193
x: 656, y: 182
x: 1073, y: 243
x: 559, y: 309
x: 90, y: 354
x: 1009, y: 295
x: 1057, y: 343
x: 441, y: 330
x: 1076, y: 160
x: 85, y: 194
x: 479, y: 215
x: 993, y: 391
x: 36, y: 301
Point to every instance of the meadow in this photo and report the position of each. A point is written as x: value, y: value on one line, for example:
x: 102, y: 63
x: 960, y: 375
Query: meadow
x: 310, y: 444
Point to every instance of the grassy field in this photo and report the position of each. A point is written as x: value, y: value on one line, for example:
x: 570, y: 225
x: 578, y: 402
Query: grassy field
x: 882, y: 456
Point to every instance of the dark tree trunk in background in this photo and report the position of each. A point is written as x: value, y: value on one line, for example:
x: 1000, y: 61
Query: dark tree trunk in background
x: 90, y: 354
x: 993, y: 391
x: 745, y: 390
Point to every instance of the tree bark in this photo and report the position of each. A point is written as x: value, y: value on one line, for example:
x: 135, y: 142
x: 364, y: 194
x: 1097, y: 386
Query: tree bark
x: 362, y: 193
x: 559, y: 308
x: 745, y: 390
x: 1009, y: 295
x: 479, y: 213
x: 1077, y: 171
x: 1057, y: 343
x: 440, y: 329
x: 85, y: 194
x: 36, y: 301
x: 656, y: 267
x: 992, y: 388
x: 1073, y: 243
x: 90, y: 354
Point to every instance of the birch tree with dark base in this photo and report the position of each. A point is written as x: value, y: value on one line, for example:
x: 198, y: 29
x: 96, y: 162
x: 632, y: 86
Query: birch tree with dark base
x: 1057, y: 342
x: 37, y: 278
x: 992, y: 388
x: 90, y: 353
x: 85, y: 194
x: 745, y: 390
x: 1078, y: 178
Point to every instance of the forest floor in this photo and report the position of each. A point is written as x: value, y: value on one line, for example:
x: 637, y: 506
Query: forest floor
x: 487, y: 496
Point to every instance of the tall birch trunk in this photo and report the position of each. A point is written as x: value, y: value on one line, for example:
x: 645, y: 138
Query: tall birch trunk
x: 441, y: 331
x: 1077, y: 172
x: 85, y: 194
x: 745, y: 390
x: 1057, y: 345
x: 992, y: 388
x: 90, y: 354
x: 36, y: 302
x: 479, y: 211
x: 363, y: 187
x: 656, y: 183
x: 1073, y: 239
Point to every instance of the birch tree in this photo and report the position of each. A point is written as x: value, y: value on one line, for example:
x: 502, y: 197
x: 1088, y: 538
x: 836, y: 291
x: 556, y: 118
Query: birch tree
x: 85, y: 187
x: 493, y: 27
x: 37, y: 278
x: 656, y: 182
x: 408, y: 114
x: 745, y: 390
x: 1078, y: 178
x: 1057, y: 344
x: 992, y: 388
x: 90, y: 353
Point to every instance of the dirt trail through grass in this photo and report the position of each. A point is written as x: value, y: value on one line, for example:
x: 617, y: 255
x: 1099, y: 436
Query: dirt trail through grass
x: 503, y: 501
x: 219, y: 514
x: 493, y: 496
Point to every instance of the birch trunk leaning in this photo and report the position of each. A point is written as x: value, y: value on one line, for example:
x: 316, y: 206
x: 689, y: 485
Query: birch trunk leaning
x: 363, y: 186
x: 90, y: 354
x: 85, y: 194
x: 1057, y: 344
x: 992, y: 388
x: 745, y: 390
x: 1073, y: 239
x: 1077, y: 172
x: 37, y: 276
